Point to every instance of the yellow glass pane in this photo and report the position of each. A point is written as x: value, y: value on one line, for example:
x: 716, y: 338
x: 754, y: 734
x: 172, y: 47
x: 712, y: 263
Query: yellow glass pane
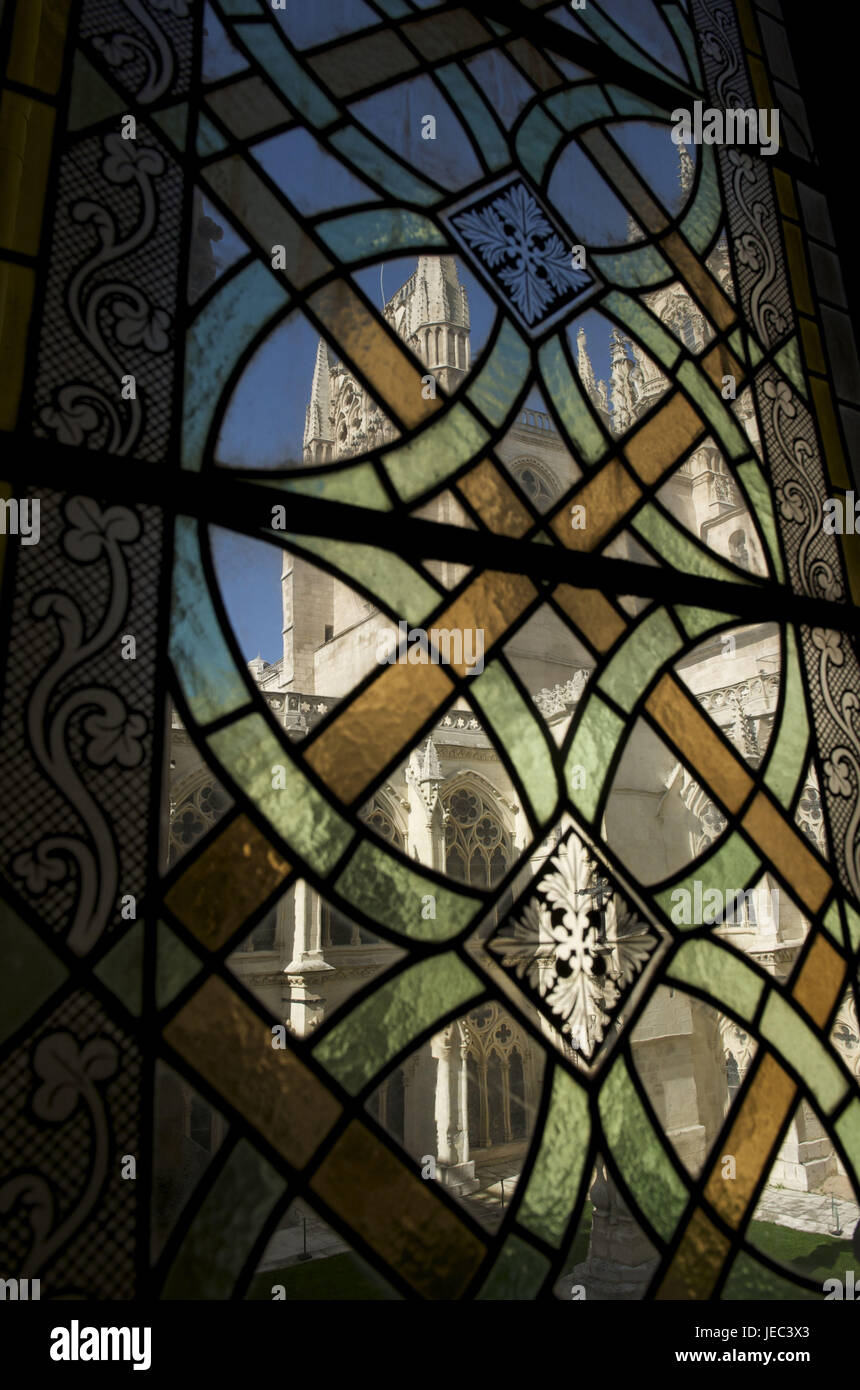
x: 236, y: 872
x: 226, y: 1042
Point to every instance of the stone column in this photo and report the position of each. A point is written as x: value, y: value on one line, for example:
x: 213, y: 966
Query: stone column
x: 451, y: 1110
x: 307, y: 969
x: 419, y: 1124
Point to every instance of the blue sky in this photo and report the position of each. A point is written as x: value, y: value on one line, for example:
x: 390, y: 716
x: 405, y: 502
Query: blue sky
x: 264, y: 422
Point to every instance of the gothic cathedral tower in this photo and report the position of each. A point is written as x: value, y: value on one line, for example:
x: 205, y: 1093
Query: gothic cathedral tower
x: 430, y: 313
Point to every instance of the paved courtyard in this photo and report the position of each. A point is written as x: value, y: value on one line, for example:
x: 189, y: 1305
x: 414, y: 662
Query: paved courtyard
x: 808, y: 1211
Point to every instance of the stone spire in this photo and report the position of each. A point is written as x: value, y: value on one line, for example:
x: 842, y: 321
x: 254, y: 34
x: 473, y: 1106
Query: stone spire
x: 623, y: 396
x: 583, y: 362
x: 634, y: 231
x: 318, y: 443
x: 426, y: 823
x: 431, y: 313
x: 438, y: 295
x: 424, y: 773
x: 651, y: 380
x: 595, y: 390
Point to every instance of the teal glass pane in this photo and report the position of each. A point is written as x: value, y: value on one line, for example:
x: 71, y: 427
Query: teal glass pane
x: 403, y: 899
x: 514, y: 723
x: 221, y: 331
x: 359, y: 1047
x: 724, y: 977
x: 225, y: 1227
x: 592, y: 750
x: 517, y: 1274
x: 635, y: 663
x: 210, y: 681
x: 256, y: 760
x: 548, y: 1201
x: 639, y: 1153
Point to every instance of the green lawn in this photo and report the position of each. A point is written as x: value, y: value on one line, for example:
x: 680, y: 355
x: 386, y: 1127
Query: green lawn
x: 342, y: 1277
x: 800, y: 1252
x: 347, y: 1277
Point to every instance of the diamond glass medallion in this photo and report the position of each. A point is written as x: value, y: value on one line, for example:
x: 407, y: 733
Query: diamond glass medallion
x: 515, y: 241
x: 578, y: 949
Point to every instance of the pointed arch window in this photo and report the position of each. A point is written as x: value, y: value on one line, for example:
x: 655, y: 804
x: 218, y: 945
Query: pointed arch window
x: 477, y: 845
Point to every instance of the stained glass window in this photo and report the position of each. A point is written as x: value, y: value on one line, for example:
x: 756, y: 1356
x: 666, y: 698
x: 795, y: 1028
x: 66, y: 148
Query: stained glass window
x: 431, y: 863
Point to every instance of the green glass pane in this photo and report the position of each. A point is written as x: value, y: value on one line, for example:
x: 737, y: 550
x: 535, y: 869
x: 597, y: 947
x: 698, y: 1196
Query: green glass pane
x: 722, y: 975
x: 548, y: 1201
x: 697, y: 621
x: 639, y: 658
x: 209, y: 140
x: 517, y: 1274
x: 358, y: 485
x: 399, y: 897
x: 715, y: 410
x: 376, y: 164
x: 300, y: 814
x: 750, y: 1280
x: 593, y: 748
x: 754, y: 352
x: 175, y: 965
x: 760, y: 500
x: 519, y: 730
x: 302, y: 93
x: 642, y: 266
x: 439, y: 451
x: 702, y: 222
x: 788, y: 358
x: 626, y: 104
x: 783, y: 1025
x: 93, y: 99
x: 639, y: 1153
x: 686, y: 42
x: 30, y: 975
x: 645, y: 326
x: 580, y: 424
x: 736, y: 344
x: 386, y: 576
x: 679, y: 548
x: 728, y: 869
x: 611, y: 35
x: 378, y: 232
x: 225, y: 1228
x: 378, y: 1028
x: 476, y: 114
x: 215, y: 341
x: 122, y: 969
x: 203, y: 662
x: 537, y: 139
x: 174, y: 122
x: 501, y: 380
x: 832, y: 922
x: 579, y: 106
x: 788, y: 758
x: 852, y: 919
